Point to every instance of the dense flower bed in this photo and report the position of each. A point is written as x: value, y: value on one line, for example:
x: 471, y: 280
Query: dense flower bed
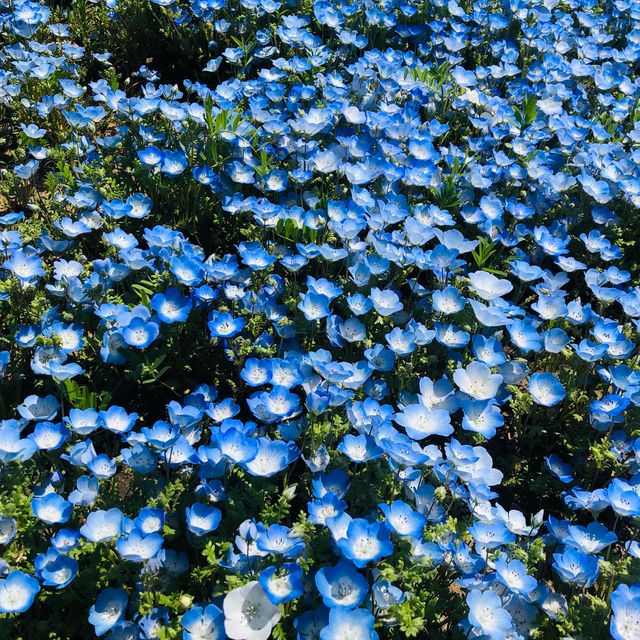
x: 319, y: 319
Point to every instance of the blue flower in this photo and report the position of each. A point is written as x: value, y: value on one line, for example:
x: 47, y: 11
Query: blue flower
x: 279, y: 540
x: 51, y: 508
x: 559, y: 468
x: 576, y: 567
x: 202, y: 518
x: 341, y: 585
x: 477, y: 381
x: 487, y: 286
x: 102, y: 526
x: 402, y: 519
x: 224, y: 325
x: 590, y: 539
x: 108, y: 610
x: 546, y: 389
x: 365, y: 542
x: 283, y: 584
x: 24, y: 266
x: 138, y: 547
x: 386, y: 302
x: 17, y: 592
x: 514, y: 576
x: 55, y: 570
x: 140, y: 333
x: 8, y: 529
x: 356, y: 624
x: 314, y: 306
x: 203, y: 621
x: 487, y: 614
x: 625, y: 605
x: 171, y: 306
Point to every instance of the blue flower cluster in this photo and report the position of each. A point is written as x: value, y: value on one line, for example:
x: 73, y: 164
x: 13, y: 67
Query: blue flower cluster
x: 337, y: 338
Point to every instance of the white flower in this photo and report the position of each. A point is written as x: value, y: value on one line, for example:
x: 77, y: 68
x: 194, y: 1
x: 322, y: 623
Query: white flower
x: 248, y: 613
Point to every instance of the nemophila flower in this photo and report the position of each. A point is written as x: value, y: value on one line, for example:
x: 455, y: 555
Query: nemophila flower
x: 309, y: 623
x: 590, y: 351
x: 386, y: 595
x: 140, y: 333
x: 546, y: 389
x: 8, y: 529
x: 326, y: 507
x: 48, y: 436
x: 314, y: 306
x: 108, y: 610
x: 488, y: 350
x: 275, y: 405
x: 481, y: 416
x: 248, y: 613
x: 171, y: 306
x: 202, y: 519
x: 139, y: 458
x: 236, y: 446
x: 335, y: 482
x: 51, y: 508
x: 224, y: 325
x: 24, y: 266
x: 576, y: 567
x: 12, y: 447
x: 448, y: 300
x: 174, y: 163
x: 365, y: 542
x: 559, y: 468
x: 420, y: 421
x: 451, y: 336
x: 341, y: 585
x: 55, y: 570
x: 590, y: 539
x: 524, y: 336
x: 17, y: 592
x: 401, y: 342
x: 280, y: 540
x: 117, y: 420
x: 402, y: 519
x: 138, y: 547
x: 625, y: 605
x: 46, y: 358
x: 477, y: 380
x: 161, y: 435
x: 356, y: 624
x: 26, y: 170
x: 271, y: 457
x: 149, y: 520
x: 256, y: 372
x: 487, y: 614
x: 361, y: 448
x: 37, y: 408
x: 623, y: 498
x: 203, y: 622
x: 254, y: 256
x: 487, y: 286
x: 385, y: 302
x: 102, y: 526
x: 282, y: 585
x: 555, y: 340
x: 513, y: 575
x: 65, y: 540
x: 152, y: 623
x: 490, y: 535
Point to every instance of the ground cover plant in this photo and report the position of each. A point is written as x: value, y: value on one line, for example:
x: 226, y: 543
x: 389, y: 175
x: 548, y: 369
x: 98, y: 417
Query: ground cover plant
x: 319, y: 319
